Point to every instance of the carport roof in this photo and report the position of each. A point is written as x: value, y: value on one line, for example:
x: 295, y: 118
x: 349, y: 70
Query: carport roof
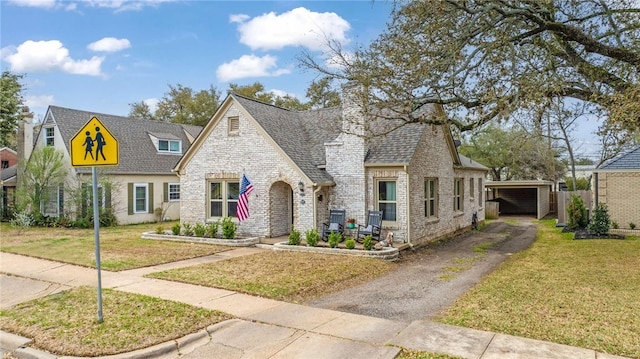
x: 518, y: 184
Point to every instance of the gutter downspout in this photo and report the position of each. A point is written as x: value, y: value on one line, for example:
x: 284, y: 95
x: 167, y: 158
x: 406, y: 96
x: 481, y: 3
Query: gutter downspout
x: 315, y: 205
x: 596, y: 189
x: 408, y: 209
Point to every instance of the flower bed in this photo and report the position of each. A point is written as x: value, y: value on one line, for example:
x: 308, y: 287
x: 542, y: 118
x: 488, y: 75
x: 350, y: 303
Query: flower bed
x: 386, y: 253
x: 237, y: 242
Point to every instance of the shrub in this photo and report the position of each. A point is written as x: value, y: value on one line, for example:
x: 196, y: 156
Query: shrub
x: 294, y: 237
x: 82, y: 223
x: 175, y: 229
x: 334, y: 239
x: 187, y: 229
x: 632, y: 225
x: 22, y: 220
x: 615, y: 225
x: 367, y: 242
x: 159, y: 230
x: 350, y: 243
x: 228, y: 228
x: 577, y: 213
x: 199, y: 230
x: 212, y: 229
x: 312, y: 236
x: 599, y: 223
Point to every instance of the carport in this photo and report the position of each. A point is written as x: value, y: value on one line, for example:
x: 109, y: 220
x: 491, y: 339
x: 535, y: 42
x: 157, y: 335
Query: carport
x: 520, y: 197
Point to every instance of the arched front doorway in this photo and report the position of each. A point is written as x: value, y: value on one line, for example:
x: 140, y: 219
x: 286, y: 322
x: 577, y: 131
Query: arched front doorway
x: 280, y: 209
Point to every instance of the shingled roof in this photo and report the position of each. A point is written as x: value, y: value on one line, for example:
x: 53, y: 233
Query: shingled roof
x: 302, y: 135
x: 138, y: 155
x: 627, y: 161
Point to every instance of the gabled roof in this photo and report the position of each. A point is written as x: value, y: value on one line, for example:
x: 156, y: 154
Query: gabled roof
x: 138, y: 155
x: 8, y: 174
x: 626, y: 161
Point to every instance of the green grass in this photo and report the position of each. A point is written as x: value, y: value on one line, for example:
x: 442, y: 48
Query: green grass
x: 66, y: 323
x: 416, y: 354
x: 483, y: 247
x: 582, y: 293
x: 305, y: 275
x: 121, y: 247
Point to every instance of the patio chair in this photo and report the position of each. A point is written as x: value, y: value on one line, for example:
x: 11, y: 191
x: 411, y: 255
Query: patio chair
x: 336, y: 223
x: 373, y: 227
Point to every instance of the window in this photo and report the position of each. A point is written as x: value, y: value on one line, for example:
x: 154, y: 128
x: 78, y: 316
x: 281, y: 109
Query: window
x: 431, y: 197
x: 172, y: 146
x: 51, y: 201
x: 234, y: 126
x: 458, y: 188
x: 5, y: 164
x: 174, y: 191
x: 140, y: 197
x: 386, y: 200
x: 471, y: 189
x: 223, y: 198
x: 49, y: 133
x: 480, y: 190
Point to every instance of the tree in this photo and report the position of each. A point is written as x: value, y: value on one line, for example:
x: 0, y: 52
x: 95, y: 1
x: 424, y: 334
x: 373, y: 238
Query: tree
x: 484, y: 59
x: 183, y: 105
x: 141, y: 111
x: 44, y: 170
x: 254, y: 91
x: 513, y: 154
x: 10, y: 108
x: 321, y: 95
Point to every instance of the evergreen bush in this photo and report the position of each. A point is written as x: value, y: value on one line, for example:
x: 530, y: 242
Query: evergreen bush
x: 175, y: 229
x: 294, y: 237
x: 229, y: 228
x: 350, y: 243
x: 577, y: 213
x: 212, y: 229
x: 367, y: 242
x: 199, y: 230
x: 599, y: 223
x: 312, y: 236
x: 334, y: 239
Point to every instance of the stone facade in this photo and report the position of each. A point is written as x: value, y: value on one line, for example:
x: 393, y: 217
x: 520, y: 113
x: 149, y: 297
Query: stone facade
x: 619, y: 191
x: 226, y: 156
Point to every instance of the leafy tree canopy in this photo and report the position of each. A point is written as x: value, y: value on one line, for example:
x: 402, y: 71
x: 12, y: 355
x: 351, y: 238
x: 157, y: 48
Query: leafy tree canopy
x: 483, y: 60
x: 10, y: 107
x: 44, y: 170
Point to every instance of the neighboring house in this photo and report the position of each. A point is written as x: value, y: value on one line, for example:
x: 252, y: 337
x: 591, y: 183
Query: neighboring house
x: 143, y: 180
x: 8, y: 169
x: 617, y: 184
x: 302, y: 164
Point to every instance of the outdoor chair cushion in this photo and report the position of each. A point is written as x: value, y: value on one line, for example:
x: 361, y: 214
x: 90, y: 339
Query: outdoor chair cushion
x: 334, y: 227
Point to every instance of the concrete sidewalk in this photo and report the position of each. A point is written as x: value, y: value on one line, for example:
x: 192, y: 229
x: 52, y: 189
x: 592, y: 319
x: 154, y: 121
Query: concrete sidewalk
x: 266, y: 328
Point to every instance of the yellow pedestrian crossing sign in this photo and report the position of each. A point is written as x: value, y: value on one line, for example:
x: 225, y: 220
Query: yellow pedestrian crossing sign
x: 94, y: 146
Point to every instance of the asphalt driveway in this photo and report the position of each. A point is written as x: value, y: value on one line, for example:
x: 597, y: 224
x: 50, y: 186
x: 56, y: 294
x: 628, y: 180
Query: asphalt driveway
x: 430, y: 278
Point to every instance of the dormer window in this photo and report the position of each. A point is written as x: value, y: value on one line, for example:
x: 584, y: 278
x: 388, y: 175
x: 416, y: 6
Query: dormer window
x: 171, y: 146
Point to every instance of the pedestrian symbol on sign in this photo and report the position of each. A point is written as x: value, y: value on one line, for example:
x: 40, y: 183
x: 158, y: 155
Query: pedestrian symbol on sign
x: 94, y: 145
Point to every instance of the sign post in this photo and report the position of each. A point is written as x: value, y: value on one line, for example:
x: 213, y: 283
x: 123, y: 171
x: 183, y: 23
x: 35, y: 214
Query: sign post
x: 95, y: 134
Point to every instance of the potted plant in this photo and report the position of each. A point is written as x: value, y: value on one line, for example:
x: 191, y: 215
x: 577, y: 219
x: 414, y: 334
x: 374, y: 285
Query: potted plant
x: 351, y: 223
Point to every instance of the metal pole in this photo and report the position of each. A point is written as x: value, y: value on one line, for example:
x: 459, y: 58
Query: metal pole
x: 96, y: 231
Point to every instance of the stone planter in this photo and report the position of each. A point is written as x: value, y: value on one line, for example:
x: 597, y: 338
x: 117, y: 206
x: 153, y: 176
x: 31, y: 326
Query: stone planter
x: 387, y: 253
x: 238, y: 242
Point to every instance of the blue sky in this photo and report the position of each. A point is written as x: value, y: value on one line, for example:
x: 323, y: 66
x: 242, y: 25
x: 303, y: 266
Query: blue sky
x: 102, y: 55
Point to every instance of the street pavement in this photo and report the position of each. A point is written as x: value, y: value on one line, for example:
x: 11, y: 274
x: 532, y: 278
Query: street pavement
x: 264, y: 328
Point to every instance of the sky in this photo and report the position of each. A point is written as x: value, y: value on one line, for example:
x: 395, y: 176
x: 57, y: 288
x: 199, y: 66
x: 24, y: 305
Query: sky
x: 102, y: 55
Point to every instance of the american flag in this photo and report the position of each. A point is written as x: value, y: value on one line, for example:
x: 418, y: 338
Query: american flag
x: 242, y: 212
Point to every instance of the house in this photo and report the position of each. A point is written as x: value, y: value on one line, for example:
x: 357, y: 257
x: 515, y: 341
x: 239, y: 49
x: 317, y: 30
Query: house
x: 141, y: 187
x: 616, y: 183
x: 304, y: 163
x: 8, y: 169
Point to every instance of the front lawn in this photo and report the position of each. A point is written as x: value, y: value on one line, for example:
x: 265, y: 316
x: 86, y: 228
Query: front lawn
x: 121, y: 247
x: 584, y: 293
x: 288, y: 276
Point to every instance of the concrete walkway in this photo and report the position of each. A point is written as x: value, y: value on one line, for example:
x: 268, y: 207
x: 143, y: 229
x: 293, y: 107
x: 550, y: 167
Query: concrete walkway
x: 266, y: 328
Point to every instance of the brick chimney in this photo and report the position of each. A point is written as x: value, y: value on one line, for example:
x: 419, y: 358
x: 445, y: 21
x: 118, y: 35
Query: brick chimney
x: 25, y: 134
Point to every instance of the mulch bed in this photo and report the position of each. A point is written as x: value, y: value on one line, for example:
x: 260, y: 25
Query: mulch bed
x: 581, y: 233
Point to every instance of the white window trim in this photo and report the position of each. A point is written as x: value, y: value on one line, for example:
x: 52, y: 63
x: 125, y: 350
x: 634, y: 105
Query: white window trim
x: 43, y: 205
x: 472, y: 189
x: 169, y: 192
x: 135, y: 198
x: 377, y: 201
x: 456, y: 195
x: 168, y: 150
x: 102, y: 198
x: 428, y: 198
x: 52, y: 137
x: 225, y: 200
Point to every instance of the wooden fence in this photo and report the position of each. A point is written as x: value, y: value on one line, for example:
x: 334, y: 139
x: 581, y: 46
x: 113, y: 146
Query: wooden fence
x: 563, y: 202
x: 491, y: 210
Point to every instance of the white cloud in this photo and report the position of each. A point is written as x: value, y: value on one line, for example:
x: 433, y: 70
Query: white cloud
x: 34, y: 56
x: 109, y: 44
x: 47, y: 4
x: 152, y: 103
x: 124, y: 5
x: 249, y: 66
x: 240, y: 18
x: 298, y: 27
x: 41, y: 101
